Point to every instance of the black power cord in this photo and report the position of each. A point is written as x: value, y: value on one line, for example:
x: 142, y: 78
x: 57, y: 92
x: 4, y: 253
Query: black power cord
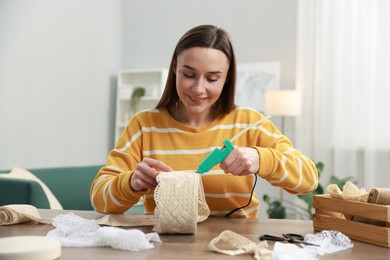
x: 249, y: 202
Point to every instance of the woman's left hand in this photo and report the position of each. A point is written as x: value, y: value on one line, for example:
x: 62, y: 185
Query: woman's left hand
x: 241, y: 161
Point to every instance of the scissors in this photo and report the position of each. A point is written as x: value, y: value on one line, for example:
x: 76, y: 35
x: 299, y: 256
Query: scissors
x: 288, y: 237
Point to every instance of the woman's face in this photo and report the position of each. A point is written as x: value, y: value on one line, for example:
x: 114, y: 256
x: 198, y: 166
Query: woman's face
x: 200, y: 76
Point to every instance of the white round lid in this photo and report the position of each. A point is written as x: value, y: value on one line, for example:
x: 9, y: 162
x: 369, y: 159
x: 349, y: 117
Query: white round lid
x: 29, y: 247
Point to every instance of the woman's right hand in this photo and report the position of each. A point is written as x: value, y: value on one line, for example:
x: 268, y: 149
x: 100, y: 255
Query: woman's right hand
x: 144, y: 176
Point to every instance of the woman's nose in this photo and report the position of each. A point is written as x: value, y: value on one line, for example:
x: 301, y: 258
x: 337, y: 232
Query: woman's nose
x: 199, y: 85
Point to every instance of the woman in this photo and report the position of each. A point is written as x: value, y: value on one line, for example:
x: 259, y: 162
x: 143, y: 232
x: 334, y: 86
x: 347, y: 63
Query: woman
x: 196, y: 114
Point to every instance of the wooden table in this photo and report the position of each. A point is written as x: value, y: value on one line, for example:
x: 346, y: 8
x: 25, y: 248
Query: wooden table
x: 194, y: 246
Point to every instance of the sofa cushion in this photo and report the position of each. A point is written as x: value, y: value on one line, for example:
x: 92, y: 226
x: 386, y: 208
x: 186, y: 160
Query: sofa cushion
x: 19, y: 191
x: 70, y: 185
x: 22, y: 174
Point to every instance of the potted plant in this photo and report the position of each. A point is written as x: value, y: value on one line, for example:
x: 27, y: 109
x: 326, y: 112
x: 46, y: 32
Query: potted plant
x: 279, y: 210
x: 138, y: 92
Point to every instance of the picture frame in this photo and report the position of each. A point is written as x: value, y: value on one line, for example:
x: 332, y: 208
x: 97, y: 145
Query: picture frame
x: 253, y: 80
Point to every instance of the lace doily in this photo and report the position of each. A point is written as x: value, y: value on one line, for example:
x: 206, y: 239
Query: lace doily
x: 329, y: 241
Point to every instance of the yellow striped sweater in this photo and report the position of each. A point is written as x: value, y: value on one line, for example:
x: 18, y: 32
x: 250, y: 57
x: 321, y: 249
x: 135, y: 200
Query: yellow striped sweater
x: 155, y: 134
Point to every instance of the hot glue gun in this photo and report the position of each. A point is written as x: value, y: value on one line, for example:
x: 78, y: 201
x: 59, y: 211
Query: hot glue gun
x: 217, y: 156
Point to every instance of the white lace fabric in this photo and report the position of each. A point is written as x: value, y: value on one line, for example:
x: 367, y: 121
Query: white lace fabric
x: 329, y: 242
x: 74, y: 231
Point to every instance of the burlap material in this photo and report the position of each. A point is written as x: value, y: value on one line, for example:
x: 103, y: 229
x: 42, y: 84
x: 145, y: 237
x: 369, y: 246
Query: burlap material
x: 240, y: 245
x: 21, y: 213
x: 349, y: 192
x: 379, y: 196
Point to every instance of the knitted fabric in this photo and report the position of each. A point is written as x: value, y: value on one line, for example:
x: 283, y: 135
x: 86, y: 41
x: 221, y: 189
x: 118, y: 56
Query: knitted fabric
x: 180, y: 202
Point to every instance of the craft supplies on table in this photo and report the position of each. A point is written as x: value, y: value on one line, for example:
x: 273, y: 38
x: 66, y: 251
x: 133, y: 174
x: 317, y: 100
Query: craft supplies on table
x: 360, y: 221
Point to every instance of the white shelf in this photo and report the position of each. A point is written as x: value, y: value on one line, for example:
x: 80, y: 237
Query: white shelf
x: 152, y: 80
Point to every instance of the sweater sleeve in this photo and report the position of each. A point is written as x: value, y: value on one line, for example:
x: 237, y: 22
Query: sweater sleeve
x: 110, y: 191
x: 284, y: 166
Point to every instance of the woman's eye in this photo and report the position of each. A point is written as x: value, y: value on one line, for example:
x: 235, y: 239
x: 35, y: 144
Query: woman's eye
x: 212, y: 80
x: 188, y: 75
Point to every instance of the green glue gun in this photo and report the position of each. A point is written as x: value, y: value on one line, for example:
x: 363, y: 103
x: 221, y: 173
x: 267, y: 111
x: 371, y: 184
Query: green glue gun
x: 217, y: 156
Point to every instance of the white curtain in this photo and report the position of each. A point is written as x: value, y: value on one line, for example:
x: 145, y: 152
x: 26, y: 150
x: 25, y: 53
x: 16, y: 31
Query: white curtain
x: 344, y: 75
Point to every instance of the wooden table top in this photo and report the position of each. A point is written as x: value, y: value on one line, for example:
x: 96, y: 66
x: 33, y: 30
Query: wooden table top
x: 194, y: 246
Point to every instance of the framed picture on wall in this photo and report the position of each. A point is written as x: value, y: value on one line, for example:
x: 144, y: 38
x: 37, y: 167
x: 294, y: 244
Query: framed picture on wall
x: 253, y: 80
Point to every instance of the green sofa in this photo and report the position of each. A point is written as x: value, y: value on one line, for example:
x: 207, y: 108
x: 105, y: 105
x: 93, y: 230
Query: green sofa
x: 70, y: 185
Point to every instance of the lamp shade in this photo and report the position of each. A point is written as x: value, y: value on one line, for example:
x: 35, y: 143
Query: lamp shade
x: 283, y: 103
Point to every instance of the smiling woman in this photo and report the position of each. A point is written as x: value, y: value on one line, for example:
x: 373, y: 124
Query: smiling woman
x: 195, y: 115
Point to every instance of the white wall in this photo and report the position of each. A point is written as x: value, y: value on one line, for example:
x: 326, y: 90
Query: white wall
x: 262, y: 30
x: 58, y: 60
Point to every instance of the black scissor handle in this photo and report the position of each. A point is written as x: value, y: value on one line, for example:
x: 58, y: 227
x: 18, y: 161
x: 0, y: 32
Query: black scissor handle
x: 293, y: 236
x: 287, y: 237
x: 296, y: 238
x: 272, y: 238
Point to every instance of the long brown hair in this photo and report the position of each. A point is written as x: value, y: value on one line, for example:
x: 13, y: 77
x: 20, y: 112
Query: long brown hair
x: 206, y: 36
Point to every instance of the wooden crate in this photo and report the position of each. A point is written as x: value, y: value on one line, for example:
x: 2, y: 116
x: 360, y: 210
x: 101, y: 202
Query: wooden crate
x: 360, y: 221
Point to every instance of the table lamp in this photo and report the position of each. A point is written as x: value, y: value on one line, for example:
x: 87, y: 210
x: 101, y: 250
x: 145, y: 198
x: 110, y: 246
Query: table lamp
x: 283, y: 103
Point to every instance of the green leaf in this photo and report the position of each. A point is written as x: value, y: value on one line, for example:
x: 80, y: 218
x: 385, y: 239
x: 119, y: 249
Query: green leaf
x: 266, y: 199
x: 276, y: 210
x: 320, y: 168
x: 136, y: 97
x: 320, y: 189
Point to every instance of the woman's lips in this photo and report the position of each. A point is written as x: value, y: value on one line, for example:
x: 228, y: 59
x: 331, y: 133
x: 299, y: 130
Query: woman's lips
x: 197, y: 99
